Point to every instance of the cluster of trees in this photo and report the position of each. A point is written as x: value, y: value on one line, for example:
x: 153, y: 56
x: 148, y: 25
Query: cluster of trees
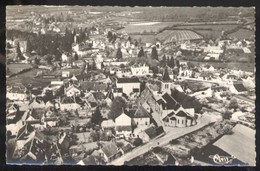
x: 154, y: 54
x: 169, y: 61
x: 111, y: 37
x: 118, y: 105
x: 119, y: 54
x: 82, y: 35
x: 47, y: 44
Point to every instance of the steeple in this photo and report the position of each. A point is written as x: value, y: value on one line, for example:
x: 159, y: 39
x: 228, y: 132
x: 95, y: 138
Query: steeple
x: 166, y: 76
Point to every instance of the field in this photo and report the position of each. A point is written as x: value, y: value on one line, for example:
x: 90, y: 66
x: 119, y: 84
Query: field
x: 179, y: 35
x: 145, y: 27
x: 28, y: 78
x: 243, y: 34
x: 15, y: 68
x: 208, y: 31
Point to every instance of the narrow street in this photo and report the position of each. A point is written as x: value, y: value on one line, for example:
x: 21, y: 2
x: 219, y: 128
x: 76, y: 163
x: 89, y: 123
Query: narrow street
x: 173, y: 134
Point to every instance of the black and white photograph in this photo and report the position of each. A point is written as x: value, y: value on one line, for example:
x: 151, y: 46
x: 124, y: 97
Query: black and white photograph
x: 121, y: 85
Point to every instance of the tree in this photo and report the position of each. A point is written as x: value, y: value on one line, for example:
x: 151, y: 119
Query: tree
x: 122, y: 66
x: 226, y: 115
x: 171, y: 62
x: 76, y: 57
x: 164, y: 59
x: 138, y: 142
x: 48, y: 59
x: 129, y: 39
x: 154, y: 54
x: 119, y: 54
x: 117, y: 106
x: 155, y: 69
x: 96, y: 117
x: 178, y: 63
x: 190, y: 65
x: 233, y: 104
x: 141, y: 52
x: 94, y: 135
x: 19, y: 54
x: 29, y: 46
x: 109, y: 35
x: 94, y: 65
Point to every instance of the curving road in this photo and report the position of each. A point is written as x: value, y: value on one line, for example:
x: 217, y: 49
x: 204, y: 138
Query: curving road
x: 173, y: 134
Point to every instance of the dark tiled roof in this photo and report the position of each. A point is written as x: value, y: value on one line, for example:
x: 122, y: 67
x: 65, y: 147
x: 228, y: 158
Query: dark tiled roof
x: 135, y: 90
x: 170, y: 103
x: 141, y: 113
x: 13, y: 105
x: 123, y: 128
x: 110, y: 149
x: 24, y: 131
x: 185, y: 100
x: 67, y: 100
x: 128, y: 80
x: 126, y: 148
x: 99, y: 95
x: 94, y: 86
x: 151, y: 132
x: 219, y: 89
x: 159, y: 130
x: 90, y: 160
x: 110, y: 95
x: 181, y: 114
x: 173, y: 118
x: 239, y: 87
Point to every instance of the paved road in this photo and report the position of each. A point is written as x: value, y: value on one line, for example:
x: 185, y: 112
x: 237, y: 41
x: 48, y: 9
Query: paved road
x: 245, y: 99
x: 173, y: 134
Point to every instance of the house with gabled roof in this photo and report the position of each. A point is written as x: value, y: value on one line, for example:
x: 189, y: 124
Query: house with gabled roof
x: 123, y: 125
x: 54, y: 155
x: 167, y: 105
x: 141, y: 117
x: 37, y: 103
x: 128, y: 85
x: 34, y: 149
x: 17, y: 92
x: 23, y: 135
x: 147, y: 134
x: 72, y: 89
x: 237, y: 88
x: 109, y: 97
x: 69, y: 103
x: 13, y: 108
x: 110, y: 151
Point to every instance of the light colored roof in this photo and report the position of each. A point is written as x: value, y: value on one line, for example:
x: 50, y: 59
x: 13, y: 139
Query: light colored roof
x: 240, y: 144
x: 108, y: 123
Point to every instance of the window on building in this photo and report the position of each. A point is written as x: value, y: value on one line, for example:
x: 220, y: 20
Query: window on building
x: 182, y: 122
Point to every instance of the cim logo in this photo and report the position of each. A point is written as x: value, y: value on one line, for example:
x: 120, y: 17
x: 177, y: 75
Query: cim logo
x: 222, y: 159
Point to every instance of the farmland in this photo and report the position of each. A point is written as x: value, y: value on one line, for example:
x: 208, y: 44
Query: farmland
x: 208, y: 31
x: 145, y: 27
x: 16, y: 68
x: 179, y: 35
x: 243, y: 34
x: 28, y: 78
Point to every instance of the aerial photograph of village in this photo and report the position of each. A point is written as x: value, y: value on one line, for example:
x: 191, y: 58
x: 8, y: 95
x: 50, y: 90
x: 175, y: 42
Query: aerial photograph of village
x: 103, y: 85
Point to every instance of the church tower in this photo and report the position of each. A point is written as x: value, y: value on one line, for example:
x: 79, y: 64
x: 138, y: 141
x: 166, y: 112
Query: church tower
x: 166, y: 81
